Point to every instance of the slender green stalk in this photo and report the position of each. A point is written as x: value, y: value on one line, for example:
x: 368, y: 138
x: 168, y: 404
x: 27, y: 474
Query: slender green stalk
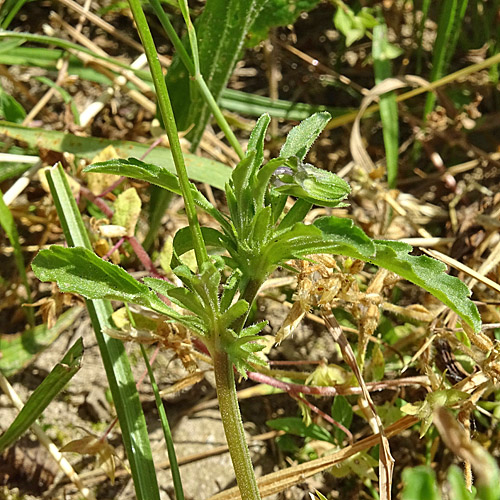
x: 174, y: 466
x: 388, y: 105
x: 9, y: 226
x: 233, y: 426
x: 194, y: 70
x: 171, y: 128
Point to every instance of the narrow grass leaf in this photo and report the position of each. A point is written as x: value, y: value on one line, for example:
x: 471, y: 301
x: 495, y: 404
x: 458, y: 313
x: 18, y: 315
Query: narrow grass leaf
x: 256, y: 105
x: 66, y: 96
x: 9, y: 226
x: 115, y: 361
x: 449, y: 27
x: 60, y: 375
x: 8, y: 11
x: 199, y: 169
x: 388, y: 104
x: 172, y: 457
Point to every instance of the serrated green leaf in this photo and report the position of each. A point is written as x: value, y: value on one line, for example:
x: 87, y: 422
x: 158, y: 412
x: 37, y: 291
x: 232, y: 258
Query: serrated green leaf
x: 188, y: 300
x: 301, y: 138
x: 253, y: 330
x: 137, y: 169
x: 241, y: 350
x: 127, y: 207
x: 242, y: 173
x: 429, y: 274
x: 183, y: 240
x: 158, y: 175
x: 261, y: 228
x: 78, y: 270
x: 229, y: 289
x: 257, y: 139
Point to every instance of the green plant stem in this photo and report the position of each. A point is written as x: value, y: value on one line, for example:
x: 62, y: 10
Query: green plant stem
x: 233, y: 426
x: 171, y: 128
x: 174, y: 466
x: 197, y: 76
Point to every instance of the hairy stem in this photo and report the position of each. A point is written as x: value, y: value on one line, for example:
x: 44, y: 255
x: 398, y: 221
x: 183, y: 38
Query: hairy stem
x: 233, y: 426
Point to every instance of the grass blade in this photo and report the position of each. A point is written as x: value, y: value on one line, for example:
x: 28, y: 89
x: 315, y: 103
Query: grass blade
x: 388, y: 104
x: 120, y: 379
x: 199, y: 169
x: 9, y: 226
x: 172, y: 457
x: 449, y: 25
x: 8, y: 11
x: 420, y: 36
x: 60, y: 375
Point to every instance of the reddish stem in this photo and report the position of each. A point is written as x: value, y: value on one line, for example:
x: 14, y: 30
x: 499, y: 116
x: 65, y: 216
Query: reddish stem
x: 116, y: 246
x: 334, y: 391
